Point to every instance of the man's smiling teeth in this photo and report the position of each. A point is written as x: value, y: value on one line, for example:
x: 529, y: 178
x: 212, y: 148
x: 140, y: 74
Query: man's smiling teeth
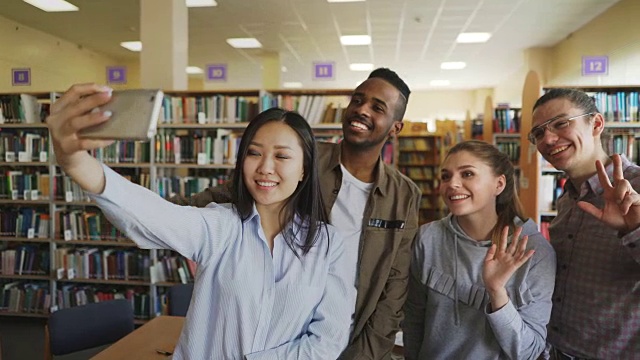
x: 266, y: 183
x: 458, y: 197
x: 359, y: 125
x: 557, y: 150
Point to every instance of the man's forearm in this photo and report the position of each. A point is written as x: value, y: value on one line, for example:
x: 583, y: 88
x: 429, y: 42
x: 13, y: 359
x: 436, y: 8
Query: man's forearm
x: 219, y: 194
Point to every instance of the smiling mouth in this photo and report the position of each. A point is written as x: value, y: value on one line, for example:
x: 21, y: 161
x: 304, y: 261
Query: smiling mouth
x: 558, y: 150
x: 358, y: 125
x: 458, y: 197
x: 267, y: 183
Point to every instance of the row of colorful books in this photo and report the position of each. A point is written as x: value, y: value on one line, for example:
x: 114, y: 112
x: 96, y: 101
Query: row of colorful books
x: 101, y: 264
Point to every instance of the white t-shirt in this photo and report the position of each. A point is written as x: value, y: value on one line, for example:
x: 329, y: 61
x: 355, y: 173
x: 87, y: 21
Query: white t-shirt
x: 347, y: 214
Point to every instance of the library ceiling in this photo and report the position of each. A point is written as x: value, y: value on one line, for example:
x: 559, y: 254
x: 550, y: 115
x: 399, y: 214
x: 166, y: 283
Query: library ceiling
x: 411, y: 36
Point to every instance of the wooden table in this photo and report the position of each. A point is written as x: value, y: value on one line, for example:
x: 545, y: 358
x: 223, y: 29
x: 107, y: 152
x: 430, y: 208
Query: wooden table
x: 161, y: 333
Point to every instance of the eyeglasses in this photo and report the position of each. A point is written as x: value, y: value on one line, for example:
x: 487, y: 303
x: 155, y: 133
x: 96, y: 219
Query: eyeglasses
x: 554, y: 126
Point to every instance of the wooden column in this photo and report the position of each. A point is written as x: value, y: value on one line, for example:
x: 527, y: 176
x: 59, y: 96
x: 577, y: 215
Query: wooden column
x: 529, y: 157
x: 487, y: 121
x: 468, y: 127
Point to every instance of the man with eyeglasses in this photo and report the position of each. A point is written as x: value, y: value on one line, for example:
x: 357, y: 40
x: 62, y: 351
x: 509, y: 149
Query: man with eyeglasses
x: 596, y: 234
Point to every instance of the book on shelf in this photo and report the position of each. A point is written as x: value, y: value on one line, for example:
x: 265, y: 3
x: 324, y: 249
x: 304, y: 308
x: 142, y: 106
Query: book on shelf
x: 23, y: 146
x: 316, y: 108
x: 21, y: 109
x: 511, y: 148
x: 619, y: 106
x: 207, y: 109
x: 506, y: 119
x: 24, y: 260
x: 25, y: 297
x: 24, y: 223
x: 101, y: 264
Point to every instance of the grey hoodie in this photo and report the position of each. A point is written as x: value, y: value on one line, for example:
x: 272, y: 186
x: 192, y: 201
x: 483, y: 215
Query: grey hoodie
x: 447, y: 314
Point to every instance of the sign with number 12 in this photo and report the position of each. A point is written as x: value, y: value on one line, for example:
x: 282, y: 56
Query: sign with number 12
x: 595, y: 65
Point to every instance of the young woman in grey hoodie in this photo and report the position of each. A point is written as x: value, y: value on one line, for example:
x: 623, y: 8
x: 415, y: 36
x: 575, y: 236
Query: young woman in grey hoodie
x: 481, y: 278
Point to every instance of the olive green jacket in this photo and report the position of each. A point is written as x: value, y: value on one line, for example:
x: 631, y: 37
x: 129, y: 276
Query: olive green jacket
x: 390, y: 224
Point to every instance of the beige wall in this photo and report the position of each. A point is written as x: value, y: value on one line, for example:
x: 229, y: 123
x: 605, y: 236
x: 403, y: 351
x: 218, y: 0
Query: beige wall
x: 510, y: 90
x: 133, y: 74
x: 445, y: 104
x: 614, y: 33
x: 55, y: 64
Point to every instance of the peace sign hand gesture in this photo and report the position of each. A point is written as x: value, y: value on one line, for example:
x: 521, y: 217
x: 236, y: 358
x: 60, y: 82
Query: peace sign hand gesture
x: 621, y: 202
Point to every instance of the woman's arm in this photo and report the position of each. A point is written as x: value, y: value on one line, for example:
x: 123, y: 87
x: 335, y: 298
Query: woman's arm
x: 521, y: 331
x: 153, y: 222
x: 147, y: 219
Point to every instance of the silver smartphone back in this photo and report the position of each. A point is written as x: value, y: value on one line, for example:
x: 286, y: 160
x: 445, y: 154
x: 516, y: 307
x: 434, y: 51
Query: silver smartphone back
x: 134, y: 116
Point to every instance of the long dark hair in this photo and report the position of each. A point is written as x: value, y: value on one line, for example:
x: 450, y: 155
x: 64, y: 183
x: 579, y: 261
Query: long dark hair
x: 508, y: 204
x: 306, y: 200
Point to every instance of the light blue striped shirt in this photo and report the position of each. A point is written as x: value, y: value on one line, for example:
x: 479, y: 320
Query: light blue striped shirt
x: 246, y: 302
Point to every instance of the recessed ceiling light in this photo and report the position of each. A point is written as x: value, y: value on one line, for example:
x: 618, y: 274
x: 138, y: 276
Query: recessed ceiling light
x: 201, y: 3
x: 292, y: 85
x: 132, y: 45
x: 478, y: 37
x: 244, y: 43
x: 439, y: 83
x: 355, y: 40
x: 343, y: 1
x: 52, y: 5
x: 194, y: 70
x: 360, y: 67
x: 284, y: 69
x: 453, y: 65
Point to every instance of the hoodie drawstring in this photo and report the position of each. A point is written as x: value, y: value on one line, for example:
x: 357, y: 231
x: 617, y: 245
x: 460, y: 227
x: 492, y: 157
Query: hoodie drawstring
x: 456, y: 311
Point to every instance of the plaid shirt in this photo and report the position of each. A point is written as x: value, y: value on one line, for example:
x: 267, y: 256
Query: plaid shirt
x: 596, y: 303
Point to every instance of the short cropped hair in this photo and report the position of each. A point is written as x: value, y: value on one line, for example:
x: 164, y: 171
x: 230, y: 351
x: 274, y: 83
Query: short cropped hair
x: 392, y: 78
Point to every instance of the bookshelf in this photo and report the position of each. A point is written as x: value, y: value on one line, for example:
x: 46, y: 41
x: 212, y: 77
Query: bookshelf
x: 419, y: 156
x: 80, y: 256
x: 509, y: 143
x: 506, y: 134
x: 25, y: 204
x: 506, y: 131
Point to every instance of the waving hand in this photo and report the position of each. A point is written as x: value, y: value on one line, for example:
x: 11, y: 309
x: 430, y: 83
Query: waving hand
x: 501, y: 261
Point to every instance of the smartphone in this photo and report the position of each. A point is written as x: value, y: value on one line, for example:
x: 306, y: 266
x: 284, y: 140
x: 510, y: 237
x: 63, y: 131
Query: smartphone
x: 134, y: 116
